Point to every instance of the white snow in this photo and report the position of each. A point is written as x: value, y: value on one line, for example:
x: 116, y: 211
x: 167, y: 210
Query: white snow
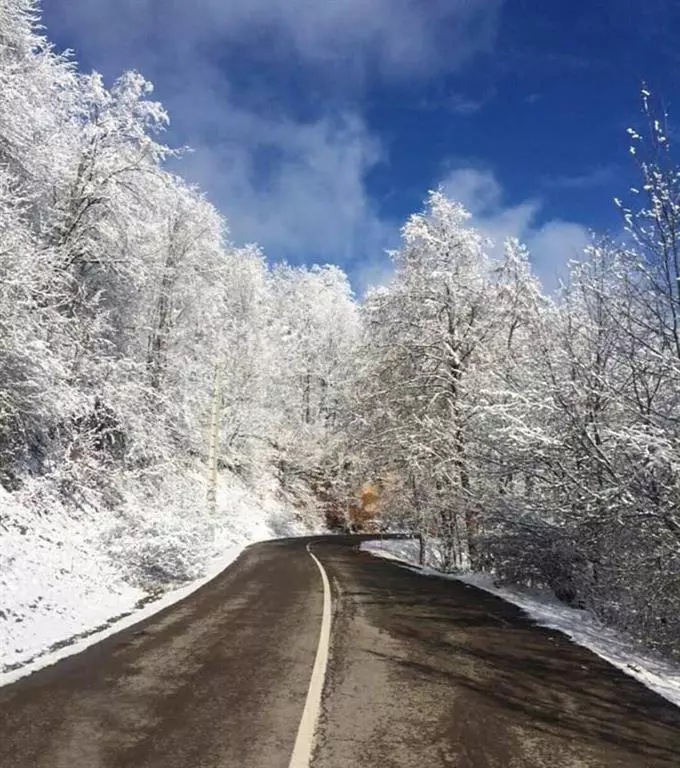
x: 67, y: 579
x: 658, y: 674
x: 403, y: 550
x: 49, y: 657
x: 54, y: 581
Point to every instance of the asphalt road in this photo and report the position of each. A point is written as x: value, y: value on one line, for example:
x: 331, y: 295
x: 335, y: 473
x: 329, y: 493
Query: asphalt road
x: 422, y: 672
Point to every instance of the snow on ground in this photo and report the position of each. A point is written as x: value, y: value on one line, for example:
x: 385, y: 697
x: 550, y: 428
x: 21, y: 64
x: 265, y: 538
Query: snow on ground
x: 53, y: 581
x: 89, y: 635
x: 403, y: 550
x: 69, y: 578
x: 659, y: 675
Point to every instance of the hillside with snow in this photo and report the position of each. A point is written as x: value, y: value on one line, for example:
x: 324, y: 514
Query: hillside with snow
x: 67, y: 575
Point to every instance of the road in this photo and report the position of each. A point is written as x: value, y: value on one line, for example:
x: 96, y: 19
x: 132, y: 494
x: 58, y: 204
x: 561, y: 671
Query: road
x: 422, y: 672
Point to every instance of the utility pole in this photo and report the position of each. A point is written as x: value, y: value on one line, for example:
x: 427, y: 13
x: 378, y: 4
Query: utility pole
x: 213, y: 441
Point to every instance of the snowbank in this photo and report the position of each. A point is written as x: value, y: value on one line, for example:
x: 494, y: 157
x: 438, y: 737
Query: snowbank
x: 659, y: 675
x: 54, y: 579
x: 70, y: 577
x: 403, y: 550
x: 75, y: 643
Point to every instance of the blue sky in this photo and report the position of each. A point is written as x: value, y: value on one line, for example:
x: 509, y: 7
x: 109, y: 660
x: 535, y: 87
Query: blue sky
x: 319, y: 125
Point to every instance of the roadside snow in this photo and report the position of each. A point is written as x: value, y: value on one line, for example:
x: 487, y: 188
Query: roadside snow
x: 133, y: 616
x: 659, y: 675
x: 54, y: 582
x: 403, y: 550
x: 70, y: 578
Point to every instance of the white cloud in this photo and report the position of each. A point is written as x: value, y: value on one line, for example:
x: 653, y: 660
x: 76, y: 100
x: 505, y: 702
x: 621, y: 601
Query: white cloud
x: 299, y: 190
x: 598, y: 177
x: 297, y: 187
x: 552, y: 243
x: 401, y: 36
x: 374, y: 273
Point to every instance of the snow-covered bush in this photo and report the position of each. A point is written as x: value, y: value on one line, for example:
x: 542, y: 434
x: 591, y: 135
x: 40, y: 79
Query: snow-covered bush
x: 161, y: 534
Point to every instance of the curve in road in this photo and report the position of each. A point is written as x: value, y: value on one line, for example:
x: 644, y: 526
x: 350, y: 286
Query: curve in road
x: 421, y: 671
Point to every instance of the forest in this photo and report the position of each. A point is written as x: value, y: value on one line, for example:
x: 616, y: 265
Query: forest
x: 532, y: 435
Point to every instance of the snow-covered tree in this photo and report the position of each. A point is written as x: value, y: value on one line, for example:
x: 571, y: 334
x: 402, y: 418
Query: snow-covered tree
x: 312, y: 330
x: 430, y: 332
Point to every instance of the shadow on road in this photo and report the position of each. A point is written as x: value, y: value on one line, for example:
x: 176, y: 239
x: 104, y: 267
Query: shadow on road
x: 488, y: 647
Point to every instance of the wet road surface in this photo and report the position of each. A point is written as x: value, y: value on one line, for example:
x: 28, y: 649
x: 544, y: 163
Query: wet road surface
x: 422, y: 672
